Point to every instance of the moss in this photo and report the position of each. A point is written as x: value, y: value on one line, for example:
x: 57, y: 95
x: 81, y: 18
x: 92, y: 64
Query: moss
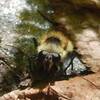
x: 31, y: 20
x: 26, y: 28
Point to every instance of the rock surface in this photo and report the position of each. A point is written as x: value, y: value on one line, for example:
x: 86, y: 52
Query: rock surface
x: 78, y: 88
x: 89, y: 46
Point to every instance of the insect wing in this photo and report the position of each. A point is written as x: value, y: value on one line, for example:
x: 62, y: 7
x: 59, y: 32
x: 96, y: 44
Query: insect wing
x: 75, y: 66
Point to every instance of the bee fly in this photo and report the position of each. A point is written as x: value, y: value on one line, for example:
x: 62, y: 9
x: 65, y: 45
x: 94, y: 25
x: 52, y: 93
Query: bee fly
x: 55, y: 55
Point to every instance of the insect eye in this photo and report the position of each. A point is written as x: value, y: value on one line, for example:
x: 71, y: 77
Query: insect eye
x: 56, y: 57
x: 42, y: 54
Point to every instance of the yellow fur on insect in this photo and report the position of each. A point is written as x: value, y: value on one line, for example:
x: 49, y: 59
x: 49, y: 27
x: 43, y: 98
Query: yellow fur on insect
x: 63, y: 48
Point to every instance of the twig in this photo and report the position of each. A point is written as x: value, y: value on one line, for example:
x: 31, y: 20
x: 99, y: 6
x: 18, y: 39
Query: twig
x: 90, y: 82
x: 19, y: 94
x: 59, y: 94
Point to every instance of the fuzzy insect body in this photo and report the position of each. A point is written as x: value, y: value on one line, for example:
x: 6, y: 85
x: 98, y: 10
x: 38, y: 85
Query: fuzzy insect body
x: 55, y: 42
x: 55, y: 56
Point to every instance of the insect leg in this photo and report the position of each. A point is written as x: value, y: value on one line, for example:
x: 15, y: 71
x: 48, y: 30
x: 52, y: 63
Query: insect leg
x: 70, y: 64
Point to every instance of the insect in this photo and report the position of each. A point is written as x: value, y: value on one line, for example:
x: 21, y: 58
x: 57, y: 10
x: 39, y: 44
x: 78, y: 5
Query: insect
x: 56, y: 55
